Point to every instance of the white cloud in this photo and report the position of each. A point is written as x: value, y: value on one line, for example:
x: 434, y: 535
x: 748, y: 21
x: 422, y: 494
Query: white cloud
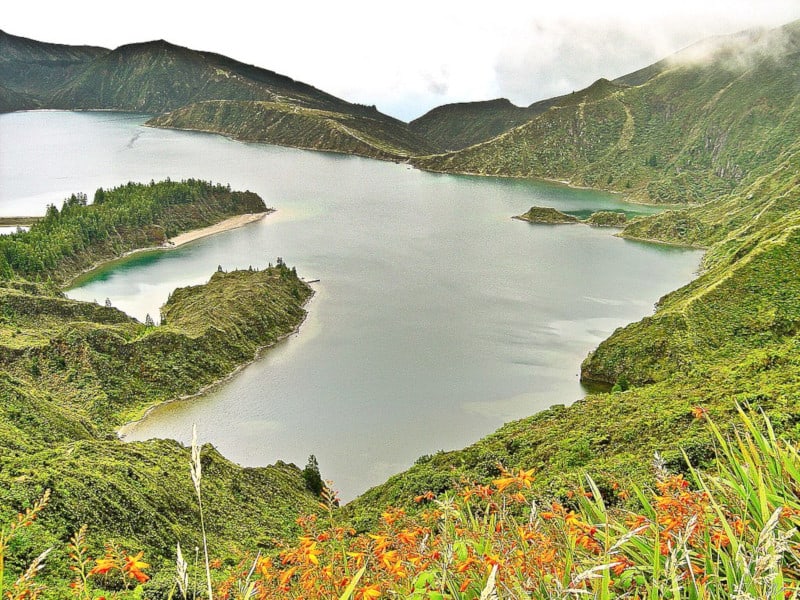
x: 407, y: 57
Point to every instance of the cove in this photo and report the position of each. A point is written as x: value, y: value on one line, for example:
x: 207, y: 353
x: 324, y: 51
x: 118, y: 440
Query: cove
x: 437, y: 317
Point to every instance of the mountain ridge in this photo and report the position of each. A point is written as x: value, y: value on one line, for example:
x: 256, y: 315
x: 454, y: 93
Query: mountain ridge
x: 698, y: 124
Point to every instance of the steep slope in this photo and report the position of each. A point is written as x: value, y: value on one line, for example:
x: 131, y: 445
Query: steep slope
x: 35, y: 69
x: 287, y: 124
x: 157, y: 76
x: 747, y: 297
x: 71, y: 372
x: 456, y: 126
x: 11, y: 100
x: 731, y: 336
x: 702, y: 124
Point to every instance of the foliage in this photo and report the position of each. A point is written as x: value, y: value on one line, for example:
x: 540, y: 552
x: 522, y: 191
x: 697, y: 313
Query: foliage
x: 541, y: 214
x: 691, y: 131
x: 731, y: 531
x: 312, y: 477
x: 73, y: 371
x: 728, y: 532
x: 133, y: 216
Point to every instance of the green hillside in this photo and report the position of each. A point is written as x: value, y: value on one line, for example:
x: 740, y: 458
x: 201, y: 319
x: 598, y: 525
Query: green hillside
x: 72, y: 372
x: 730, y: 336
x: 134, y: 216
x: 704, y: 123
x: 35, y: 69
x: 456, y: 126
x: 287, y: 124
x: 154, y: 77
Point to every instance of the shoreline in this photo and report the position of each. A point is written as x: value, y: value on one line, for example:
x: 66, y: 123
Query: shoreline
x: 226, y: 225
x: 121, y: 430
x: 179, y: 240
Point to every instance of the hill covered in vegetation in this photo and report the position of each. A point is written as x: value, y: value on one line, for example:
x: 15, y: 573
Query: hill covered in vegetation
x: 131, y: 217
x: 213, y: 92
x: 286, y: 124
x: 704, y: 123
x: 73, y: 372
x: 729, y: 337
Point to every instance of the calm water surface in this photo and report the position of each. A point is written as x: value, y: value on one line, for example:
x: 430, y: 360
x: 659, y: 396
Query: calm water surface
x: 437, y: 317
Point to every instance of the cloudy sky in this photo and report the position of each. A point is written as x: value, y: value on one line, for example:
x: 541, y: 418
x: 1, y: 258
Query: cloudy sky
x: 409, y: 56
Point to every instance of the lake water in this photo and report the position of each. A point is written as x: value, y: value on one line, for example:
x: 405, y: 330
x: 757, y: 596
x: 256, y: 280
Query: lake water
x: 437, y: 317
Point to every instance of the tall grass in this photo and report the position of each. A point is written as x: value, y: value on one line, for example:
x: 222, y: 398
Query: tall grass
x: 721, y: 534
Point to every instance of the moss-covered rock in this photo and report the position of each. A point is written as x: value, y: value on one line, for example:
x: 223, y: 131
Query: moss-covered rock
x: 607, y: 218
x: 547, y: 215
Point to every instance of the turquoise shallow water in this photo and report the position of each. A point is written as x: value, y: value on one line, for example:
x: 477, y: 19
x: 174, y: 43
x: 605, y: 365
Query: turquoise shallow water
x: 437, y: 317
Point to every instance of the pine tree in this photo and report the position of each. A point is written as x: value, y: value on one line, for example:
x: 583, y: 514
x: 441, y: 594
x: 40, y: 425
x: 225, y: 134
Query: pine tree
x: 312, y: 476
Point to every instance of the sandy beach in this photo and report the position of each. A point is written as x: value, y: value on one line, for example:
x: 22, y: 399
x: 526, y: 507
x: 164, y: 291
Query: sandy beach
x: 226, y: 225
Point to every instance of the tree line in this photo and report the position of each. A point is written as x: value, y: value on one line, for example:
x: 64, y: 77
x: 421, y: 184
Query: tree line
x: 116, y: 217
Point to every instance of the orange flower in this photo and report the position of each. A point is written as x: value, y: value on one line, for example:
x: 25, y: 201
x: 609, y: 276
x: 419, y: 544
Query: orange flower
x: 492, y: 560
x: 133, y: 567
x: 622, y: 563
x: 359, y: 556
x: 502, y: 483
x: 312, y: 553
x: 465, y: 565
x: 287, y: 575
x: 370, y: 591
x: 103, y: 565
x: 265, y: 566
x: 698, y: 412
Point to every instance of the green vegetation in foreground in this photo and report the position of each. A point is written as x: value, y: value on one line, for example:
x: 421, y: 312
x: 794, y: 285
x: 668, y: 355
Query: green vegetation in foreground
x: 704, y: 123
x: 69, y: 241
x: 544, y: 214
x: 285, y: 124
x: 72, y: 372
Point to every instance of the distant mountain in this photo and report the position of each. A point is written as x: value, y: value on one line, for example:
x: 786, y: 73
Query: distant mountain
x: 33, y: 70
x: 207, y: 91
x: 458, y: 126
x: 156, y: 77
x: 684, y: 130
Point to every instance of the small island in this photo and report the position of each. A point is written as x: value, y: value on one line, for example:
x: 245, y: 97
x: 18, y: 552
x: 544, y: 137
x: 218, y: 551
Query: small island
x: 551, y: 216
x: 547, y: 215
x: 607, y: 218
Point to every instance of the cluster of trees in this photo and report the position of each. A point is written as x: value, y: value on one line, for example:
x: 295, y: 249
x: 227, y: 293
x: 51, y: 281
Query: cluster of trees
x: 113, y: 217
